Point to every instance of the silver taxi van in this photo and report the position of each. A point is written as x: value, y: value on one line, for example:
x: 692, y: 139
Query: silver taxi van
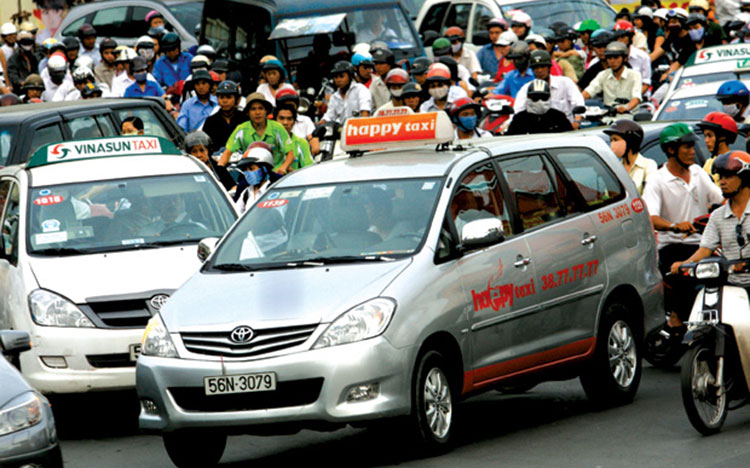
x: 96, y: 234
x: 395, y: 284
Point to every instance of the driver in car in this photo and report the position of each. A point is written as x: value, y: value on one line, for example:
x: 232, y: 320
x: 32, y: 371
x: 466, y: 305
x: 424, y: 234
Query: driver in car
x: 374, y: 28
x: 171, y: 213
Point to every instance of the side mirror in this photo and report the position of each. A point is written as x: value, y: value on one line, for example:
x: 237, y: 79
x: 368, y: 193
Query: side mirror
x: 579, y: 110
x: 642, y: 116
x: 206, y: 247
x: 14, y: 341
x: 481, y: 233
x: 319, y: 132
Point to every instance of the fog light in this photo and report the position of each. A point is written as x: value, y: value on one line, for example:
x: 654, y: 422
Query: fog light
x: 363, y: 392
x: 149, y: 407
x: 56, y: 362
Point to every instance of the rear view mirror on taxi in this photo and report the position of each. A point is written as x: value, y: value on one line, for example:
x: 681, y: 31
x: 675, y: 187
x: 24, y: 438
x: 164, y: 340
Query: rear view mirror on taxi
x: 206, y: 247
x: 481, y: 233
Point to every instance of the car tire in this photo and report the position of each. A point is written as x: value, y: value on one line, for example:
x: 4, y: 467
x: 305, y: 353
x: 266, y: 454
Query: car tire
x: 189, y: 449
x: 613, y: 376
x: 433, y: 404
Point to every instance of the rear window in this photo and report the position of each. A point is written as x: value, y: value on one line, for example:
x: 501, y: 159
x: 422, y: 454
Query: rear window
x: 151, y: 123
x: 188, y: 14
x: 7, y: 138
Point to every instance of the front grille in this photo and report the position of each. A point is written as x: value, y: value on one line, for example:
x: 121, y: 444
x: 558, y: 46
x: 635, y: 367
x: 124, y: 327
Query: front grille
x: 264, y: 341
x: 290, y: 393
x: 130, y: 313
x: 110, y: 360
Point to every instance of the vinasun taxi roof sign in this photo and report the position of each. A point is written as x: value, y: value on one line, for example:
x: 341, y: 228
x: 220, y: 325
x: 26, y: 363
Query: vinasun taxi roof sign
x: 719, y: 53
x: 101, y: 148
x: 396, y: 131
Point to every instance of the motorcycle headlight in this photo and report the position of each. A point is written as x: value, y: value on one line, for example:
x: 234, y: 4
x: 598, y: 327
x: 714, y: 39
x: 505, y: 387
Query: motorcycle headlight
x: 156, y: 340
x: 364, y: 321
x: 52, y: 310
x: 21, y: 412
x: 707, y: 270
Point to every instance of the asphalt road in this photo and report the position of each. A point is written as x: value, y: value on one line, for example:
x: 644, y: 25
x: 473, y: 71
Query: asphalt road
x: 552, y: 425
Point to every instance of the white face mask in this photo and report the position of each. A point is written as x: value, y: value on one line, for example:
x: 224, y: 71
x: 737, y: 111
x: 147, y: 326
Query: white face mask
x: 731, y: 109
x: 27, y: 47
x: 147, y: 54
x: 439, y: 93
x: 538, y: 107
x: 618, y: 147
x: 456, y: 48
x: 396, y: 92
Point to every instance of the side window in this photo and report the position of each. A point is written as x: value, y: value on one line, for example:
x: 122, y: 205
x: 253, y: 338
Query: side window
x: 482, y: 16
x: 45, y: 135
x: 433, y: 19
x: 478, y: 196
x: 106, y: 126
x: 82, y: 128
x: 458, y: 15
x: 567, y: 197
x: 595, y: 181
x: 138, y: 21
x: 533, y: 190
x: 654, y: 152
x: 110, y: 22
x: 72, y: 29
x: 151, y: 123
x: 10, y: 226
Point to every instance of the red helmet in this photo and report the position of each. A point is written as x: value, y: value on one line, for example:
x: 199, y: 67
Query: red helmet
x: 397, y: 76
x: 454, y: 31
x: 732, y: 162
x: 286, y: 95
x: 259, y: 153
x: 438, y: 72
x: 461, y: 104
x: 624, y: 27
x: 720, y: 123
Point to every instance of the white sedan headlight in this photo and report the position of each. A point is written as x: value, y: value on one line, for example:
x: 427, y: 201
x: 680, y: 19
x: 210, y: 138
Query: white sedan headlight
x: 364, y: 321
x: 707, y: 270
x: 52, y: 310
x: 156, y: 340
x: 21, y: 412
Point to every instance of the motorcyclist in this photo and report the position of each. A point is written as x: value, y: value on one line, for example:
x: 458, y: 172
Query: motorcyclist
x: 257, y: 167
x: 89, y: 47
x: 441, y: 49
x: 638, y: 59
x: 198, y: 144
x: 714, y: 32
x: 538, y: 116
x: 395, y: 80
x: 419, y: 72
x: 142, y: 86
x: 567, y: 51
x: 105, y: 71
x: 174, y: 65
x: 729, y: 225
x: 412, y: 96
x: 585, y: 29
x: 24, y: 61
x: 363, y: 68
x: 599, y: 41
x: 32, y: 87
x: 54, y: 76
x: 350, y: 97
x: 617, y: 82
x: 195, y: 111
x: 625, y: 138
x: 719, y: 131
x: 303, y: 125
x: 465, y: 116
x: 675, y: 195
x: 514, y: 80
x: 222, y: 123
x: 384, y: 62
x: 461, y: 54
x: 438, y: 84
x: 489, y: 55
x: 286, y: 115
x: 678, y: 46
x: 146, y: 48
x: 275, y: 75
x: 520, y: 23
x: 734, y: 97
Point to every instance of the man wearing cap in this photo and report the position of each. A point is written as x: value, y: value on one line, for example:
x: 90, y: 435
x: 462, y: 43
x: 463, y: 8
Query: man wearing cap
x: 24, y: 62
x: 196, y: 110
x: 489, y: 56
x: 260, y: 128
x: 350, y: 98
x: 89, y: 47
x: 502, y: 46
x: 174, y: 65
x: 585, y: 29
x: 220, y: 125
x: 395, y: 80
x: 678, y: 46
x: 8, y: 33
x: 142, y: 86
x: 105, y: 71
x: 515, y: 79
x: 384, y: 61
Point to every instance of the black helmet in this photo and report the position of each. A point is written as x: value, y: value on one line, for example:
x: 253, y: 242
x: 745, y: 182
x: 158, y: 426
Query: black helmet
x: 601, y: 38
x: 420, y: 66
x: 538, y: 90
x: 71, y: 43
x: 197, y: 138
x: 107, y: 44
x: 411, y: 89
x: 202, y: 75
x: 86, y: 30
x: 696, y: 18
x: 220, y: 66
x: 342, y: 66
x: 228, y: 88
x: 519, y: 49
x: 383, y: 56
x: 169, y: 41
x: 540, y: 58
x: 630, y: 131
x: 138, y: 63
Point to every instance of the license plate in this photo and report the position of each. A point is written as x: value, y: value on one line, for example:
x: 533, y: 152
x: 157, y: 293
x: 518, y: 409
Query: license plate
x: 243, y: 383
x: 135, y: 350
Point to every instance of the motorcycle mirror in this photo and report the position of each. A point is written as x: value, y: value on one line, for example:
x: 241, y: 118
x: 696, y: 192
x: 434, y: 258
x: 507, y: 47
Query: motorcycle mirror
x: 578, y: 110
x: 319, y: 131
x: 310, y: 91
x: 507, y: 110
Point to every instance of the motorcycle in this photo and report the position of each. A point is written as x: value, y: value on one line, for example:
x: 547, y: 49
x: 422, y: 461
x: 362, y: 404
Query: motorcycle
x: 715, y: 376
x: 328, y: 134
x: 499, y: 108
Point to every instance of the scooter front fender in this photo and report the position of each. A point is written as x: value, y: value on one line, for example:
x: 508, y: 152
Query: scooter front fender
x: 700, y: 333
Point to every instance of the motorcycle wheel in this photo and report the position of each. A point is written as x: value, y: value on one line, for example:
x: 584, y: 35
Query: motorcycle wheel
x: 663, y: 352
x: 705, y: 409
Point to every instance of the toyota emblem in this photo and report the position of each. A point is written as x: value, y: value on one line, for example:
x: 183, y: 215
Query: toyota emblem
x: 158, y: 301
x: 242, y: 334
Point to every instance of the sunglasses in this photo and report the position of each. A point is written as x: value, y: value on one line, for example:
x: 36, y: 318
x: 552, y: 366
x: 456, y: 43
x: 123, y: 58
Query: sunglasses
x: 538, y: 97
x: 740, y: 236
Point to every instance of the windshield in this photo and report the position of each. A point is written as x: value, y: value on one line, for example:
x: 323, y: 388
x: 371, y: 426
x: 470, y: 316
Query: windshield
x: 686, y: 81
x: 104, y: 216
x: 188, y: 14
x: 7, y: 134
x: 359, y: 221
x: 694, y: 108
x: 567, y: 11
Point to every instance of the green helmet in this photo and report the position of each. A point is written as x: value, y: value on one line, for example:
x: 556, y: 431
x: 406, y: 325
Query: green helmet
x: 676, y: 134
x: 441, y: 46
x: 589, y: 25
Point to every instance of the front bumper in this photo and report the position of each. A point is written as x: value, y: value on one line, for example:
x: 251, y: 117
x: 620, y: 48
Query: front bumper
x: 175, y: 386
x: 36, y: 444
x: 95, y: 359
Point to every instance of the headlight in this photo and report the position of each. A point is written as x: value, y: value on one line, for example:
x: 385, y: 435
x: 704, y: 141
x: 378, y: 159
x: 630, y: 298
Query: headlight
x: 22, y: 412
x: 364, y: 321
x: 49, y: 309
x: 156, y: 340
x: 707, y: 270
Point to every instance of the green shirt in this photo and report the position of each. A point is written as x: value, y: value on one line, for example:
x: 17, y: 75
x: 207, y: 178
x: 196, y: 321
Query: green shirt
x: 275, y: 135
x: 301, y: 150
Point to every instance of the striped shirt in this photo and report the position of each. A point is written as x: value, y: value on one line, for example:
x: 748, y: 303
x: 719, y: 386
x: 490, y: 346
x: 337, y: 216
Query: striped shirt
x: 722, y: 230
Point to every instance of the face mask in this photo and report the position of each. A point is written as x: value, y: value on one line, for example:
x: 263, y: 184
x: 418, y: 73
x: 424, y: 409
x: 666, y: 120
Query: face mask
x: 618, y: 147
x: 140, y: 77
x: 27, y: 47
x: 253, y: 178
x: 467, y: 123
x: 396, y: 92
x: 538, y: 107
x: 696, y: 34
x: 147, y: 54
x: 57, y: 78
x: 439, y: 93
x: 456, y: 48
x: 731, y: 109
x: 675, y: 29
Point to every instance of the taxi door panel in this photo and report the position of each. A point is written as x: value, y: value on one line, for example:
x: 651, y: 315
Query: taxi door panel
x: 10, y: 280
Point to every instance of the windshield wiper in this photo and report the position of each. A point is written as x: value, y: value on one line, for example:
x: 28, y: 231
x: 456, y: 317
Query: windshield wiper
x: 232, y: 267
x: 167, y: 242
x: 319, y: 261
x: 61, y: 251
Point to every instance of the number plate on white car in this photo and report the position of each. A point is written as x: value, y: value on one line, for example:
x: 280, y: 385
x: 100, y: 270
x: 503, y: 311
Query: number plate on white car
x: 135, y: 351
x: 244, y: 383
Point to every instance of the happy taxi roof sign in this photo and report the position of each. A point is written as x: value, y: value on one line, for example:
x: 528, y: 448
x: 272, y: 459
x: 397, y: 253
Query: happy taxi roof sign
x: 398, y: 128
x: 101, y: 148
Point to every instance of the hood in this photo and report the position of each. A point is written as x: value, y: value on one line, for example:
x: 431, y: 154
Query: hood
x: 220, y: 301
x: 116, y: 273
x: 13, y: 384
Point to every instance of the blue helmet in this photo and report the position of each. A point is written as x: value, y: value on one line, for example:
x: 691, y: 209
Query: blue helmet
x: 733, y: 88
x: 361, y: 59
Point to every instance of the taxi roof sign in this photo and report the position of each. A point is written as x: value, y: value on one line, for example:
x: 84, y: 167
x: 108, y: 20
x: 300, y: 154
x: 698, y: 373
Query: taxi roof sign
x: 396, y: 131
x: 100, y: 148
x: 719, y: 54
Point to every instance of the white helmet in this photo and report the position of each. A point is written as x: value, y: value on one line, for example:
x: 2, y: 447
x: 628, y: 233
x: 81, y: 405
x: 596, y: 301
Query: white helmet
x: 84, y: 61
x: 206, y: 50
x: 144, y: 41
x: 661, y: 13
x: 7, y: 29
x: 361, y: 48
x: 57, y: 63
x: 126, y: 55
x: 521, y: 17
x: 81, y: 74
x: 257, y: 153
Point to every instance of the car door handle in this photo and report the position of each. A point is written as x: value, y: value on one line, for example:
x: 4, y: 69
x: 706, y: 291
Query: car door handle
x: 588, y: 240
x: 522, y: 262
